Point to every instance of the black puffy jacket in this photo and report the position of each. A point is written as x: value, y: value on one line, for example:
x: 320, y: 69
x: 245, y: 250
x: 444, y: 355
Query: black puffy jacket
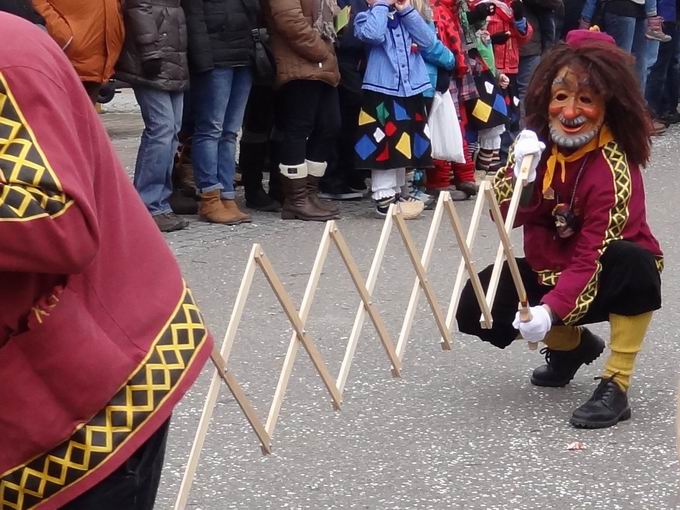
x: 154, y: 30
x: 21, y: 8
x: 220, y: 32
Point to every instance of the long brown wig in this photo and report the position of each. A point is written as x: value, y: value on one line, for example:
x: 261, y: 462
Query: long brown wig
x: 611, y: 74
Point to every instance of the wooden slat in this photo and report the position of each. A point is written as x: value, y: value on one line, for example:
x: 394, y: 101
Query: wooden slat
x: 509, y: 225
x: 294, y: 344
x: 366, y: 298
x: 243, y: 402
x: 507, y: 246
x: 219, y: 359
x: 467, y: 259
x: 361, y: 311
x: 424, y: 282
x: 470, y: 241
x: 294, y: 318
x: 425, y: 261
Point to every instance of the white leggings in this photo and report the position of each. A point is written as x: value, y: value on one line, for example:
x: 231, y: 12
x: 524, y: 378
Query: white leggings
x: 490, y: 139
x: 387, y: 183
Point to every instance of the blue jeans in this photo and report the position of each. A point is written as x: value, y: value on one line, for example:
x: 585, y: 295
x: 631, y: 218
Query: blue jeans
x: 162, y: 114
x: 218, y: 99
x: 527, y: 66
x: 663, y: 74
x: 629, y: 34
x: 672, y: 96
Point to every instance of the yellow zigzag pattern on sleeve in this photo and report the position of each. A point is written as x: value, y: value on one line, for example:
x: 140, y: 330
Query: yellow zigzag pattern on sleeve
x: 29, y: 187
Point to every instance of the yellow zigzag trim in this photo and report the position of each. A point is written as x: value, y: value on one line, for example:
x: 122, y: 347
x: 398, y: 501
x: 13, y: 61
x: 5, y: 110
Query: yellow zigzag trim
x: 618, y: 217
x: 29, y: 187
x: 503, y: 185
x: 549, y: 277
x: 173, y: 352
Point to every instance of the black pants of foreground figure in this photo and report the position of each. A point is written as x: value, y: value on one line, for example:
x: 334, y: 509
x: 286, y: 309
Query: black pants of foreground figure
x: 629, y: 291
x: 133, y: 486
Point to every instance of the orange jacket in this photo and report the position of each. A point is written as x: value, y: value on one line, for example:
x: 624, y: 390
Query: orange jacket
x: 91, y: 33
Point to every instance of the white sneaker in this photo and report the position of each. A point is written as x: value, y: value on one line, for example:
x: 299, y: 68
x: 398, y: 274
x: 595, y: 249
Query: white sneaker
x: 426, y: 199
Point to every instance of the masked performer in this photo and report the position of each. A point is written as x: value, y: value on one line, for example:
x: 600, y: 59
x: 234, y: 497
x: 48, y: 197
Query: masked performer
x: 590, y: 254
x: 99, y: 335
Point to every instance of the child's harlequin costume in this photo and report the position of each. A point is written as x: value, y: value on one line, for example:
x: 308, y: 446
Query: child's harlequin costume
x: 99, y: 334
x: 447, y: 19
x: 590, y: 253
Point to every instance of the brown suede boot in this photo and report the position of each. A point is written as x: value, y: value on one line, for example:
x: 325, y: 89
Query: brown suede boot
x: 313, y: 194
x: 230, y: 205
x: 315, y: 171
x: 211, y: 209
x: 296, y: 204
x: 183, y: 171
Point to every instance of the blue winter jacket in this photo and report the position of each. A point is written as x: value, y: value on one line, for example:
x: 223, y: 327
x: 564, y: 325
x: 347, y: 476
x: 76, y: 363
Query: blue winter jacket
x: 393, y: 67
x: 436, y: 57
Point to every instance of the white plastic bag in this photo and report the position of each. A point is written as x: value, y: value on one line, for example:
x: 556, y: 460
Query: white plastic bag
x: 444, y: 127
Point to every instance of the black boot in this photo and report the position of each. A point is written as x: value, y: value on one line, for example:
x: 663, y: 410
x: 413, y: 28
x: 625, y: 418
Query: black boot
x: 182, y: 204
x: 562, y: 365
x: 607, y: 407
x: 261, y: 201
x: 252, y: 160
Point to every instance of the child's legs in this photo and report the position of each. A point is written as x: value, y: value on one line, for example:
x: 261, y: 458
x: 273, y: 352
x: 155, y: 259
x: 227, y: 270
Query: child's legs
x: 491, y: 138
x: 386, y: 183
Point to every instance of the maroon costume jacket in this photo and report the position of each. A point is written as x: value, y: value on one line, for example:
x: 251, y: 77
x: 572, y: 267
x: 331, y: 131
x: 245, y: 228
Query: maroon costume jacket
x: 609, y: 202
x: 99, y: 335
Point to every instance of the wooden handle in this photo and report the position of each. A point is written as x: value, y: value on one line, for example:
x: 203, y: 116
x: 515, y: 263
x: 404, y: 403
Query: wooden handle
x: 525, y: 169
x: 525, y: 312
x: 525, y: 316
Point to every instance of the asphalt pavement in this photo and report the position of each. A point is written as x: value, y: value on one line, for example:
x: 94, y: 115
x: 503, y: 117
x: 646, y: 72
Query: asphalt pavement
x: 462, y: 429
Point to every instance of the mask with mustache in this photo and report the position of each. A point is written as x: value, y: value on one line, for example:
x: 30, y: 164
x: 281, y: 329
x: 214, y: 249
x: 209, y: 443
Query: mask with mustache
x: 576, y: 111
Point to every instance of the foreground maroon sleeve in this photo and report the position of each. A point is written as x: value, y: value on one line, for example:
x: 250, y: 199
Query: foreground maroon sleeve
x: 47, y: 220
x: 99, y: 335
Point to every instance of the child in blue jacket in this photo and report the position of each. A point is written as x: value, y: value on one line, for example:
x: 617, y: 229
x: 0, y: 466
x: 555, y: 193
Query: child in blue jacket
x: 392, y: 134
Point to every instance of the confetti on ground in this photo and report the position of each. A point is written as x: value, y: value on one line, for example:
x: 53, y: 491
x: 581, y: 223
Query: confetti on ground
x: 576, y: 446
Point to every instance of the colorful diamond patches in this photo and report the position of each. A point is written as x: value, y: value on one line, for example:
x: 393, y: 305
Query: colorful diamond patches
x: 365, y: 118
x: 384, y: 155
x: 482, y: 111
x: 365, y: 147
x: 390, y: 129
x: 400, y: 113
x: 404, y: 145
x: 420, y: 145
x: 382, y: 113
x: 378, y: 135
x: 500, y: 106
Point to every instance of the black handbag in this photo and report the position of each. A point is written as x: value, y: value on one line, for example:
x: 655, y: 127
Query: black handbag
x: 264, y: 65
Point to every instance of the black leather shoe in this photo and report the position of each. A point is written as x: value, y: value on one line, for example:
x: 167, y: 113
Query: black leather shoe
x: 563, y: 365
x: 170, y: 222
x: 471, y: 188
x: 607, y: 407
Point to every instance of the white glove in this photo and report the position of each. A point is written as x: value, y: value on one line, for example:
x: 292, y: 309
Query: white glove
x: 539, y: 325
x: 527, y: 143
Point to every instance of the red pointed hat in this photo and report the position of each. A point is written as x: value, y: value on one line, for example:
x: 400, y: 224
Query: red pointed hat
x: 578, y: 38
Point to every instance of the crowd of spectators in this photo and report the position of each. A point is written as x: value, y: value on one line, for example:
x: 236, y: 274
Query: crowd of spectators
x: 306, y: 88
